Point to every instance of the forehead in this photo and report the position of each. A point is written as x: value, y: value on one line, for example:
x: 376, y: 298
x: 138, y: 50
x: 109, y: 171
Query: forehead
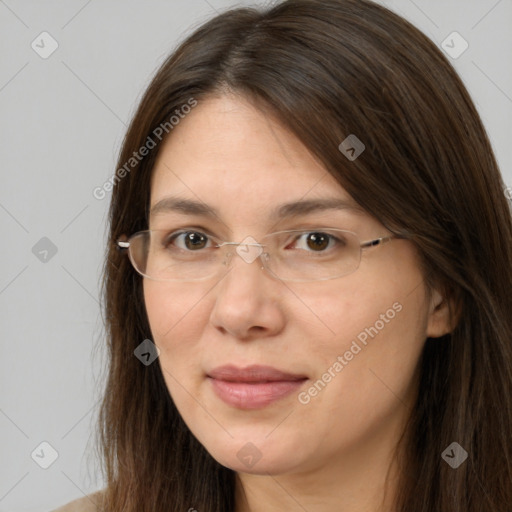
x: 237, y: 159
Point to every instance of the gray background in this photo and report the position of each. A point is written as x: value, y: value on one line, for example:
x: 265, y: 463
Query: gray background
x: 63, y: 119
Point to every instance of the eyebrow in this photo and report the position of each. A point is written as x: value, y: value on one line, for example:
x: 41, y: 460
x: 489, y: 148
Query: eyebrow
x: 285, y: 210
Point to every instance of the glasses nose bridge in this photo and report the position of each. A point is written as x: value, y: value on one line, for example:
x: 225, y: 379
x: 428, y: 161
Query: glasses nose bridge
x: 249, y: 256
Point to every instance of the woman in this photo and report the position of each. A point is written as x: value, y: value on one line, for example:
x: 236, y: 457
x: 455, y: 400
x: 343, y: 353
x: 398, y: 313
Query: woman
x: 308, y: 285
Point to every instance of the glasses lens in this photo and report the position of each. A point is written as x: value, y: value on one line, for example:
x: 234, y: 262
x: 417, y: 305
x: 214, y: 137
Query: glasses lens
x: 312, y: 255
x: 164, y: 256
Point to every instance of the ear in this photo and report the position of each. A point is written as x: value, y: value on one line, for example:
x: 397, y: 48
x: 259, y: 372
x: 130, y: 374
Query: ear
x: 443, y: 315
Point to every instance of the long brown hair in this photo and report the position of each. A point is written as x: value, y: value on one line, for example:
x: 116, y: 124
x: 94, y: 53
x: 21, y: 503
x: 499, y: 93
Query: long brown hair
x: 327, y: 69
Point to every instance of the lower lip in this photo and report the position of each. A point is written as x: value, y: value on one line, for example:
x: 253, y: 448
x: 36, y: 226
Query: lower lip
x: 245, y: 395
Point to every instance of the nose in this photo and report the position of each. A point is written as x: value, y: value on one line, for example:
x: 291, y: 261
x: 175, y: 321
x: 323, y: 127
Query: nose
x: 249, y: 250
x: 247, y: 303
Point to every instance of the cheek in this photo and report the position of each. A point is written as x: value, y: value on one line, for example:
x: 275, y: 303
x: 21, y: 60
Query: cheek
x: 177, y: 321
x: 364, y: 374
x: 170, y: 309
x: 365, y: 340
x: 334, y: 317
x: 385, y: 300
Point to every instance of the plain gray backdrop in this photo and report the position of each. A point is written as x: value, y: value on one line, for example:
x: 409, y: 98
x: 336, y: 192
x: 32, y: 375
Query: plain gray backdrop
x: 63, y: 118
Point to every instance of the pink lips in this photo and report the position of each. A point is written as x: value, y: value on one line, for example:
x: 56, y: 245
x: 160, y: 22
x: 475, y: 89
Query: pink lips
x: 253, y: 387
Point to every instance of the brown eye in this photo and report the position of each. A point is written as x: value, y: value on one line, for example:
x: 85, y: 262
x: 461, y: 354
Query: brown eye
x: 318, y: 241
x: 188, y: 240
x: 195, y: 240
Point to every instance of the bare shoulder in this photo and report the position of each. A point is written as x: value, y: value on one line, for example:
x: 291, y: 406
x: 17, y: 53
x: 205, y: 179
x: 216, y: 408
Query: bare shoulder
x: 90, y: 503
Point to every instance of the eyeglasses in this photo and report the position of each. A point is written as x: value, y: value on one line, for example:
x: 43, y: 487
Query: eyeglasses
x: 295, y: 255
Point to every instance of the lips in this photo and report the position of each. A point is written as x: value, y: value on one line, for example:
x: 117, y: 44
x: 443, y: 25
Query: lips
x: 253, y: 387
x: 254, y: 373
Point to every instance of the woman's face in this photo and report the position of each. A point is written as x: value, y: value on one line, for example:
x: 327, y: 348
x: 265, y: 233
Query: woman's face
x: 349, y: 346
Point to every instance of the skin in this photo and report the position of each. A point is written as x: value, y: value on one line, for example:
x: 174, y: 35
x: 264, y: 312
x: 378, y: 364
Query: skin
x: 333, y: 452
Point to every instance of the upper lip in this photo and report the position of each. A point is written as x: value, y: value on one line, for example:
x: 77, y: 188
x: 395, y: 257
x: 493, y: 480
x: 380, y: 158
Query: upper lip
x: 253, y: 373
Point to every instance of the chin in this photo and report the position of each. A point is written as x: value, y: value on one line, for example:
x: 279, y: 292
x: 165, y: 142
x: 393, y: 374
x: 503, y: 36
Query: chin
x: 256, y: 454
x: 266, y: 465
